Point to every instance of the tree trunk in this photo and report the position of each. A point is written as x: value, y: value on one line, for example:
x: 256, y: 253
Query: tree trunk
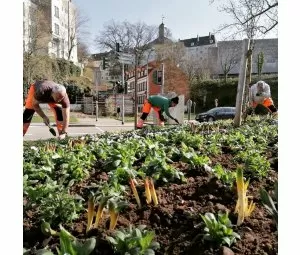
x: 248, y: 76
x: 242, y: 84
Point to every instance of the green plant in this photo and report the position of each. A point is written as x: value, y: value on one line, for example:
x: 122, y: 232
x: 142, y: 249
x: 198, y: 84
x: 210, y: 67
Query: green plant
x: 188, y: 155
x: 134, y: 241
x: 60, y: 207
x: 260, y: 63
x: 73, y: 246
x: 227, y: 177
x: 219, y: 230
x: 256, y: 165
x: 269, y: 203
x: 68, y: 243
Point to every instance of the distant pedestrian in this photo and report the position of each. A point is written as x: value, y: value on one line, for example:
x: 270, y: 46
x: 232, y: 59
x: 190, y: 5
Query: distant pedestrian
x: 118, y: 112
x: 55, y: 95
x: 159, y: 104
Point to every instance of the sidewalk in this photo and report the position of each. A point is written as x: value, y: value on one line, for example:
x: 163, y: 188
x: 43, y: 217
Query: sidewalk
x: 101, y: 122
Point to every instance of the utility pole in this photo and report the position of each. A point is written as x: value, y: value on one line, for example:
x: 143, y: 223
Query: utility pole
x: 163, y: 79
x: 123, y: 58
x: 123, y: 85
x: 135, y: 89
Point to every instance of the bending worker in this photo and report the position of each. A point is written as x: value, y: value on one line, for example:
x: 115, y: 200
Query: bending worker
x: 159, y: 104
x: 55, y: 95
x: 260, y: 94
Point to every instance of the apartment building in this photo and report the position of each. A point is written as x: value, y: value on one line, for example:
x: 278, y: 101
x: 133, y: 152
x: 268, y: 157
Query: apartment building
x: 49, y: 27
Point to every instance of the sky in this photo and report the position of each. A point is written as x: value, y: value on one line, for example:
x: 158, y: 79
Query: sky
x: 185, y: 18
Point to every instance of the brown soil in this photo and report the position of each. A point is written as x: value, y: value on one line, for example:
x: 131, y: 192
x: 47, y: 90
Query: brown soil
x: 176, y: 219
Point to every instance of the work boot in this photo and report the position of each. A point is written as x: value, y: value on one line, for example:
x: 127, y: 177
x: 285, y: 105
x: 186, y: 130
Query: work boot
x: 140, y: 124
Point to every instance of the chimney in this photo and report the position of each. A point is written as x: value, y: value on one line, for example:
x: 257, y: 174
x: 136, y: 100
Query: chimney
x: 209, y: 35
x: 197, y: 38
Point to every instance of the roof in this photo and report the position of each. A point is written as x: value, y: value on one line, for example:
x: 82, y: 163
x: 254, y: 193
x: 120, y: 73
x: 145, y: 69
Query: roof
x: 199, y: 41
x: 161, y: 40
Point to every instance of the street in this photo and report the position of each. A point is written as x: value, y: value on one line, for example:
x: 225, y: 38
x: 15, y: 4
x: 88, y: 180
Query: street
x: 41, y: 132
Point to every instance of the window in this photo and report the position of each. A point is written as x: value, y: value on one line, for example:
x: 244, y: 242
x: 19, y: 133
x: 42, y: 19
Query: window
x: 56, y: 29
x: 56, y: 12
x: 192, y: 44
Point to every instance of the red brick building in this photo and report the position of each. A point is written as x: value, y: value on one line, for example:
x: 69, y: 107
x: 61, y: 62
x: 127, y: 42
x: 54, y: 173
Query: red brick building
x: 173, y: 80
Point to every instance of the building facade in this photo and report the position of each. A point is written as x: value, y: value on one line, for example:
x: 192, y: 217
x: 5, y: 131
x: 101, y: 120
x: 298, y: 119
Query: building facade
x: 49, y: 27
x: 229, y: 53
x: 221, y: 55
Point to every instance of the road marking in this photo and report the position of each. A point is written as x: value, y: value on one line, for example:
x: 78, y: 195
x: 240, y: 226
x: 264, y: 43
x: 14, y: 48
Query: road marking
x: 100, y: 129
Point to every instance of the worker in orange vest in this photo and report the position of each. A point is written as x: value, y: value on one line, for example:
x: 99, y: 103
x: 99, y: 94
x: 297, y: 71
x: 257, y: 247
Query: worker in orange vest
x: 260, y: 94
x: 160, y: 104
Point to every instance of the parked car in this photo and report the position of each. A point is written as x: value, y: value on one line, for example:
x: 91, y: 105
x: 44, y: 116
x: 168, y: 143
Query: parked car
x: 217, y: 113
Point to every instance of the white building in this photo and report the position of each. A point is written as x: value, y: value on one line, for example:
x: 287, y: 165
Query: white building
x: 49, y: 27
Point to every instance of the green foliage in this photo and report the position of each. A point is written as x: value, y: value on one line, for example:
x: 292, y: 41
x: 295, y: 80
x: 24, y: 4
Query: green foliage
x: 73, y: 246
x: 60, y: 207
x: 74, y: 92
x: 260, y: 63
x: 68, y: 243
x: 37, y: 67
x: 227, y: 177
x: 219, y: 230
x: 270, y: 203
x: 256, y: 165
x: 134, y: 241
x: 204, y: 92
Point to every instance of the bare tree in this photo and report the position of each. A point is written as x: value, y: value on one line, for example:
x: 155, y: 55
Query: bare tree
x: 174, y: 52
x: 228, y: 55
x: 38, y: 34
x: 77, y: 30
x: 133, y: 38
x: 190, y: 68
x: 82, y: 50
x: 264, y: 13
x: 130, y: 36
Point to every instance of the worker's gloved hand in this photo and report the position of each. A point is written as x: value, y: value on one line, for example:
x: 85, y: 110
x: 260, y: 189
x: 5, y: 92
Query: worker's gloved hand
x: 46, y: 121
x: 176, y: 121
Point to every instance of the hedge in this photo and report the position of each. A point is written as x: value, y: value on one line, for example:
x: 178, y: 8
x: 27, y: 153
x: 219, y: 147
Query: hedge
x: 205, y: 92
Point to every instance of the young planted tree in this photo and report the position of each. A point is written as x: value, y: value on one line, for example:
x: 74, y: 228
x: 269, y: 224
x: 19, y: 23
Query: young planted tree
x: 260, y: 63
